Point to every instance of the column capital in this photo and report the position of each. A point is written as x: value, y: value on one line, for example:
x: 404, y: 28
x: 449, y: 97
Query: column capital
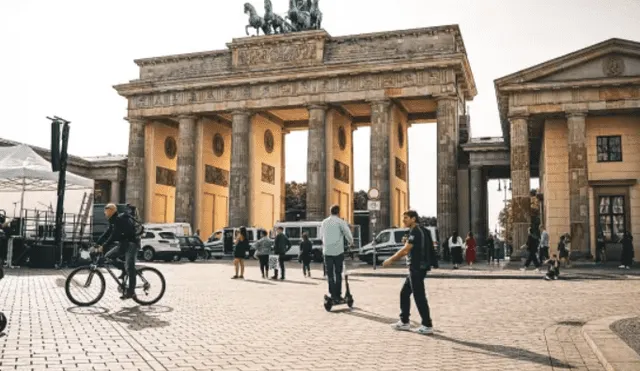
x: 519, y: 116
x: 186, y: 117
x: 317, y: 105
x: 576, y: 113
x: 136, y: 120
x: 383, y: 101
x: 445, y: 97
x: 241, y: 112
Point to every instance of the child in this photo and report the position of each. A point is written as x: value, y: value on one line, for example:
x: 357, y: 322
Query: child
x: 554, y: 268
x: 306, y: 251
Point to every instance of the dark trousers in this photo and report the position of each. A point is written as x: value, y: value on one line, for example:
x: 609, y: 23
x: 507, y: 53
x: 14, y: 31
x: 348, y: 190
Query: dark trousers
x: 533, y: 257
x: 129, y: 250
x: 553, y: 272
x: 490, y: 254
x: 334, y: 266
x: 281, y: 262
x: 414, y: 284
x: 456, y: 254
x: 264, y: 264
x: 306, y: 265
x: 543, y: 253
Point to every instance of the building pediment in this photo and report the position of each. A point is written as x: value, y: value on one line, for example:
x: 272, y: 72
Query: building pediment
x: 611, y: 59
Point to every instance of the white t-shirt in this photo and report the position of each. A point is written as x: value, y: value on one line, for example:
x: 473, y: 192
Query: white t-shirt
x: 458, y: 242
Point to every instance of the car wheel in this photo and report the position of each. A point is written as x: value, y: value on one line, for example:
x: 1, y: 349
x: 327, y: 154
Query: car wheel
x: 192, y: 258
x: 148, y: 253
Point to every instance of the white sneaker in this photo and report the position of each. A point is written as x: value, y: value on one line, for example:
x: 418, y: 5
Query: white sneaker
x: 627, y: 267
x: 547, y: 278
x: 400, y: 326
x: 537, y: 270
x: 622, y: 267
x: 424, y: 330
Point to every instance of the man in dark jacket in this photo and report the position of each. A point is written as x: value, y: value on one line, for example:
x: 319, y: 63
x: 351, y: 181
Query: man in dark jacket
x: 122, y: 231
x: 532, y: 248
x: 280, y: 246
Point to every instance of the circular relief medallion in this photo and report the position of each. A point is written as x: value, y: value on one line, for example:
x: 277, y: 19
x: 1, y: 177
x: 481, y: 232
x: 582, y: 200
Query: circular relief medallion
x: 218, y: 145
x: 342, y: 138
x: 613, y: 66
x: 268, y: 141
x: 170, y: 147
x: 400, y: 135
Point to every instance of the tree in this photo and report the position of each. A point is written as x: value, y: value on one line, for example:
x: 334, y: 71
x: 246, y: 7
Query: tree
x: 428, y: 221
x: 505, y: 219
x: 360, y: 199
x: 295, y: 196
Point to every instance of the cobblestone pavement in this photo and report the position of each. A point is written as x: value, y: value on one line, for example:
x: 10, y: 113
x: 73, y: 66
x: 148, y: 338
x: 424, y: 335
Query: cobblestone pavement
x: 206, y: 321
x: 629, y: 331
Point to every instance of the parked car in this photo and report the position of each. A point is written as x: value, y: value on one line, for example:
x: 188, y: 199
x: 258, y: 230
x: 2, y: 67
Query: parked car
x: 388, y: 242
x: 158, y: 245
x: 178, y: 229
x: 221, y: 241
x: 193, y: 248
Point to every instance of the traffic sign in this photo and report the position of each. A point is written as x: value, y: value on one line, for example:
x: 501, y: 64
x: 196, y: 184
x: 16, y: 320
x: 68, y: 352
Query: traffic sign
x: 373, y: 193
x: 373, y: 205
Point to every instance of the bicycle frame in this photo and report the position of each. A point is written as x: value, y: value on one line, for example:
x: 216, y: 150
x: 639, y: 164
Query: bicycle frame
x: 95, y: 265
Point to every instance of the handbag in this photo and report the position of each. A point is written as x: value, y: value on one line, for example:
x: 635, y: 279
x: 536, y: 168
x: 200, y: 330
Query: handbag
x: 273, y: 261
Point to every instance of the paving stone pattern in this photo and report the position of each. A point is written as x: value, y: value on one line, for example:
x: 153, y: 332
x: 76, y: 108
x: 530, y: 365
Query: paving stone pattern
x: 207, y: 321
x: 629, y: 331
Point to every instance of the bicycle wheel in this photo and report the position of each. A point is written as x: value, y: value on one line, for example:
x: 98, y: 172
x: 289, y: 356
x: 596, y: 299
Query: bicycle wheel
x: 150, y: 286
x: 85, y: 286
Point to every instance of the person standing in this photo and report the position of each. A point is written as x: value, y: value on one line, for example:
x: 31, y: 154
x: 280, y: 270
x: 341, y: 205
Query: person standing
x: 626, y: 258
x: 306, y: 251
x: 334, y: 231
x: 600, y: 246
x: 491, y: 253
x: 532, y: 248
x: 415, y: 249
x: 470, y: 251
x: 281, y: 246
x: 544, y: 244
x: 241, y: 246
x: 455, y: 248
x: 263, y: 249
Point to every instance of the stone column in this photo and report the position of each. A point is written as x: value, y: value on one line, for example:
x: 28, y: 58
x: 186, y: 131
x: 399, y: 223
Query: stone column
x: 447, y: 122
x: 240, y: 177
x: 115, y: 192
x: 578, y: 184
x: 520, y: 183
x: 185, y: 175
x: 135, y: 194
x: 380, y: 167
x: 283, y: 187
x: 317, y: 163
x: 477, y: 211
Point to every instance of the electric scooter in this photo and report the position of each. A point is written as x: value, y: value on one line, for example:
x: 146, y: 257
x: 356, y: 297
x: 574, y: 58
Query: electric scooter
x: 348, y: 298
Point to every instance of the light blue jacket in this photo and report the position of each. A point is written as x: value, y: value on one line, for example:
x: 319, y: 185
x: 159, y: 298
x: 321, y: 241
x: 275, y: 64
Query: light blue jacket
x: 334, y: 231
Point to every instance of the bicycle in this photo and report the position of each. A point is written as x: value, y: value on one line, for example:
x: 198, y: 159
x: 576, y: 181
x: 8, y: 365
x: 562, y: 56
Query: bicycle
x: 93, y: 270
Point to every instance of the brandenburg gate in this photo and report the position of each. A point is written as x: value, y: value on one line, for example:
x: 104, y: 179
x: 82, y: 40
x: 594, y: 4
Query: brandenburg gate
x: 207, y: 129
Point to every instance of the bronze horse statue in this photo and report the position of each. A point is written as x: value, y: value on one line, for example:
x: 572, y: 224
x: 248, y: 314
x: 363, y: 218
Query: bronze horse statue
x: 300, y: 18
x: 316, y: 15
x: 255, y: 21
x: 276, y: 23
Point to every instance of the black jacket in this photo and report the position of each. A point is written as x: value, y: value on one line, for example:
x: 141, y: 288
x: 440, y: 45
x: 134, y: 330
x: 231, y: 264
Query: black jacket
x: 306, y: 250
x: 281, y: 244
x: 532, y: 243
x: 120, y: 229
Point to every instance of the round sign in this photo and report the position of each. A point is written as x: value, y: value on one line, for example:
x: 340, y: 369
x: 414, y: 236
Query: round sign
x: 373, y: 193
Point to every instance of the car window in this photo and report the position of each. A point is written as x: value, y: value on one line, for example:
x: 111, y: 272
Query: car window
x: 195, y: 241
x: 311, y: 231
x: 250, y: 235
x: 167, y: 235
x: 182, y: 240
x: 292, y: 232
x: 149, y: 235
x: 398, y: 235
x: 383, y: 237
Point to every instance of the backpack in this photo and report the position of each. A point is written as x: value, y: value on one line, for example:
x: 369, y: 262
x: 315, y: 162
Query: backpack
x: 135, y: 228
x: 426, y: 252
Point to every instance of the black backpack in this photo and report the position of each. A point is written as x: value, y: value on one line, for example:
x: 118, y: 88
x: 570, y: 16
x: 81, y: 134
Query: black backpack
x: 135, y: 228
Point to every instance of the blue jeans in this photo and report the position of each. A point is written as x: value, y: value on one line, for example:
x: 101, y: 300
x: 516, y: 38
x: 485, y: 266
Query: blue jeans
x: 334, y: 266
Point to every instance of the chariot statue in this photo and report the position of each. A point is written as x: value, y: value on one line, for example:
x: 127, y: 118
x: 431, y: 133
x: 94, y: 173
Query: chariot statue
x: 302, y: 15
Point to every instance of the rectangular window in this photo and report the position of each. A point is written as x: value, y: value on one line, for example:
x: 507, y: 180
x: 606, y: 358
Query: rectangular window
x: 609, y: 148
x: 311, y: 231
x: 612, y: 216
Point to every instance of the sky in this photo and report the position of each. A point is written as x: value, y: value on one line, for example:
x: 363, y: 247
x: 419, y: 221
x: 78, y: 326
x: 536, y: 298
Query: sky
x: 63, y: 57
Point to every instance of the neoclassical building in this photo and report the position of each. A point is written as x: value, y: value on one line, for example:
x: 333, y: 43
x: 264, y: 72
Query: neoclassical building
x: 207, y: 129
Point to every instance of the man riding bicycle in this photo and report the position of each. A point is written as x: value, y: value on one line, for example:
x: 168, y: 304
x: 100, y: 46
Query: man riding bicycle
x: 122, y: 230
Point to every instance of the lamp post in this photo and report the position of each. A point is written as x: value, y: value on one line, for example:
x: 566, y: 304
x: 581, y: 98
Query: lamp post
x: 502, y: 185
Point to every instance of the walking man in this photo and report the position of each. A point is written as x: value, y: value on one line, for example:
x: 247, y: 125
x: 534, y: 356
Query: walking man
x: 544, y: 244
x: 532, y: 248
x: 334, y: 232
x: 418, y: 261
x: 280, y: 246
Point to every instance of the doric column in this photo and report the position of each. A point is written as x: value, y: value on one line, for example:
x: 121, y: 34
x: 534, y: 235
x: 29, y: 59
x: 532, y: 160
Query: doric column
x: 520, y: 183
x: 447, y: 122
x: 578, y: 183
x: 380, y: 167
x: 135, y: 165
x: 115, y: 192
x: 185, y: 177
x: 317, y: 163
x: 240, y: 177
x: 477, y: 211
x: 283, y: 186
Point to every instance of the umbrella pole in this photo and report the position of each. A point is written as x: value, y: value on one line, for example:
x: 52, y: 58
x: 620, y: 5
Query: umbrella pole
x: 24, y: 189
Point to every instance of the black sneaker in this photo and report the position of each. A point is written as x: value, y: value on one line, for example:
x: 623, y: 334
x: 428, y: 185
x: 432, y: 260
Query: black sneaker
x: 127, y: 296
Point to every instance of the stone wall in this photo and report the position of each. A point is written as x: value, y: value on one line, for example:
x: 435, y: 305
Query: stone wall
x: 399, y: 170
x: 163, y: 195
x: 338, y: 191
x: 556, y: 180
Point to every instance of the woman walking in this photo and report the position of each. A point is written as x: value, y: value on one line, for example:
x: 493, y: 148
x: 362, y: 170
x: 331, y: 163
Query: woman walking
x: 239, y: 251
x: 306, y: 250
x: 263, y: 249
x: 470, y: 253
x: 455, y: 245
x: 627, y: 251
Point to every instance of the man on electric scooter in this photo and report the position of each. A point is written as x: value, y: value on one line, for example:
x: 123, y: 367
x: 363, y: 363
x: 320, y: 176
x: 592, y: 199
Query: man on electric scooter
x: 122, y: 229
x: 415, y: 248
x: 334, y: 231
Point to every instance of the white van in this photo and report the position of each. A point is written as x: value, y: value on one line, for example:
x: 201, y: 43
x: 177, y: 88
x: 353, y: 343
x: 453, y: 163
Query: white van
x: 221, y: 241
x: 294, y: 231
x: 178, y: 229
x: 388, y: 242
